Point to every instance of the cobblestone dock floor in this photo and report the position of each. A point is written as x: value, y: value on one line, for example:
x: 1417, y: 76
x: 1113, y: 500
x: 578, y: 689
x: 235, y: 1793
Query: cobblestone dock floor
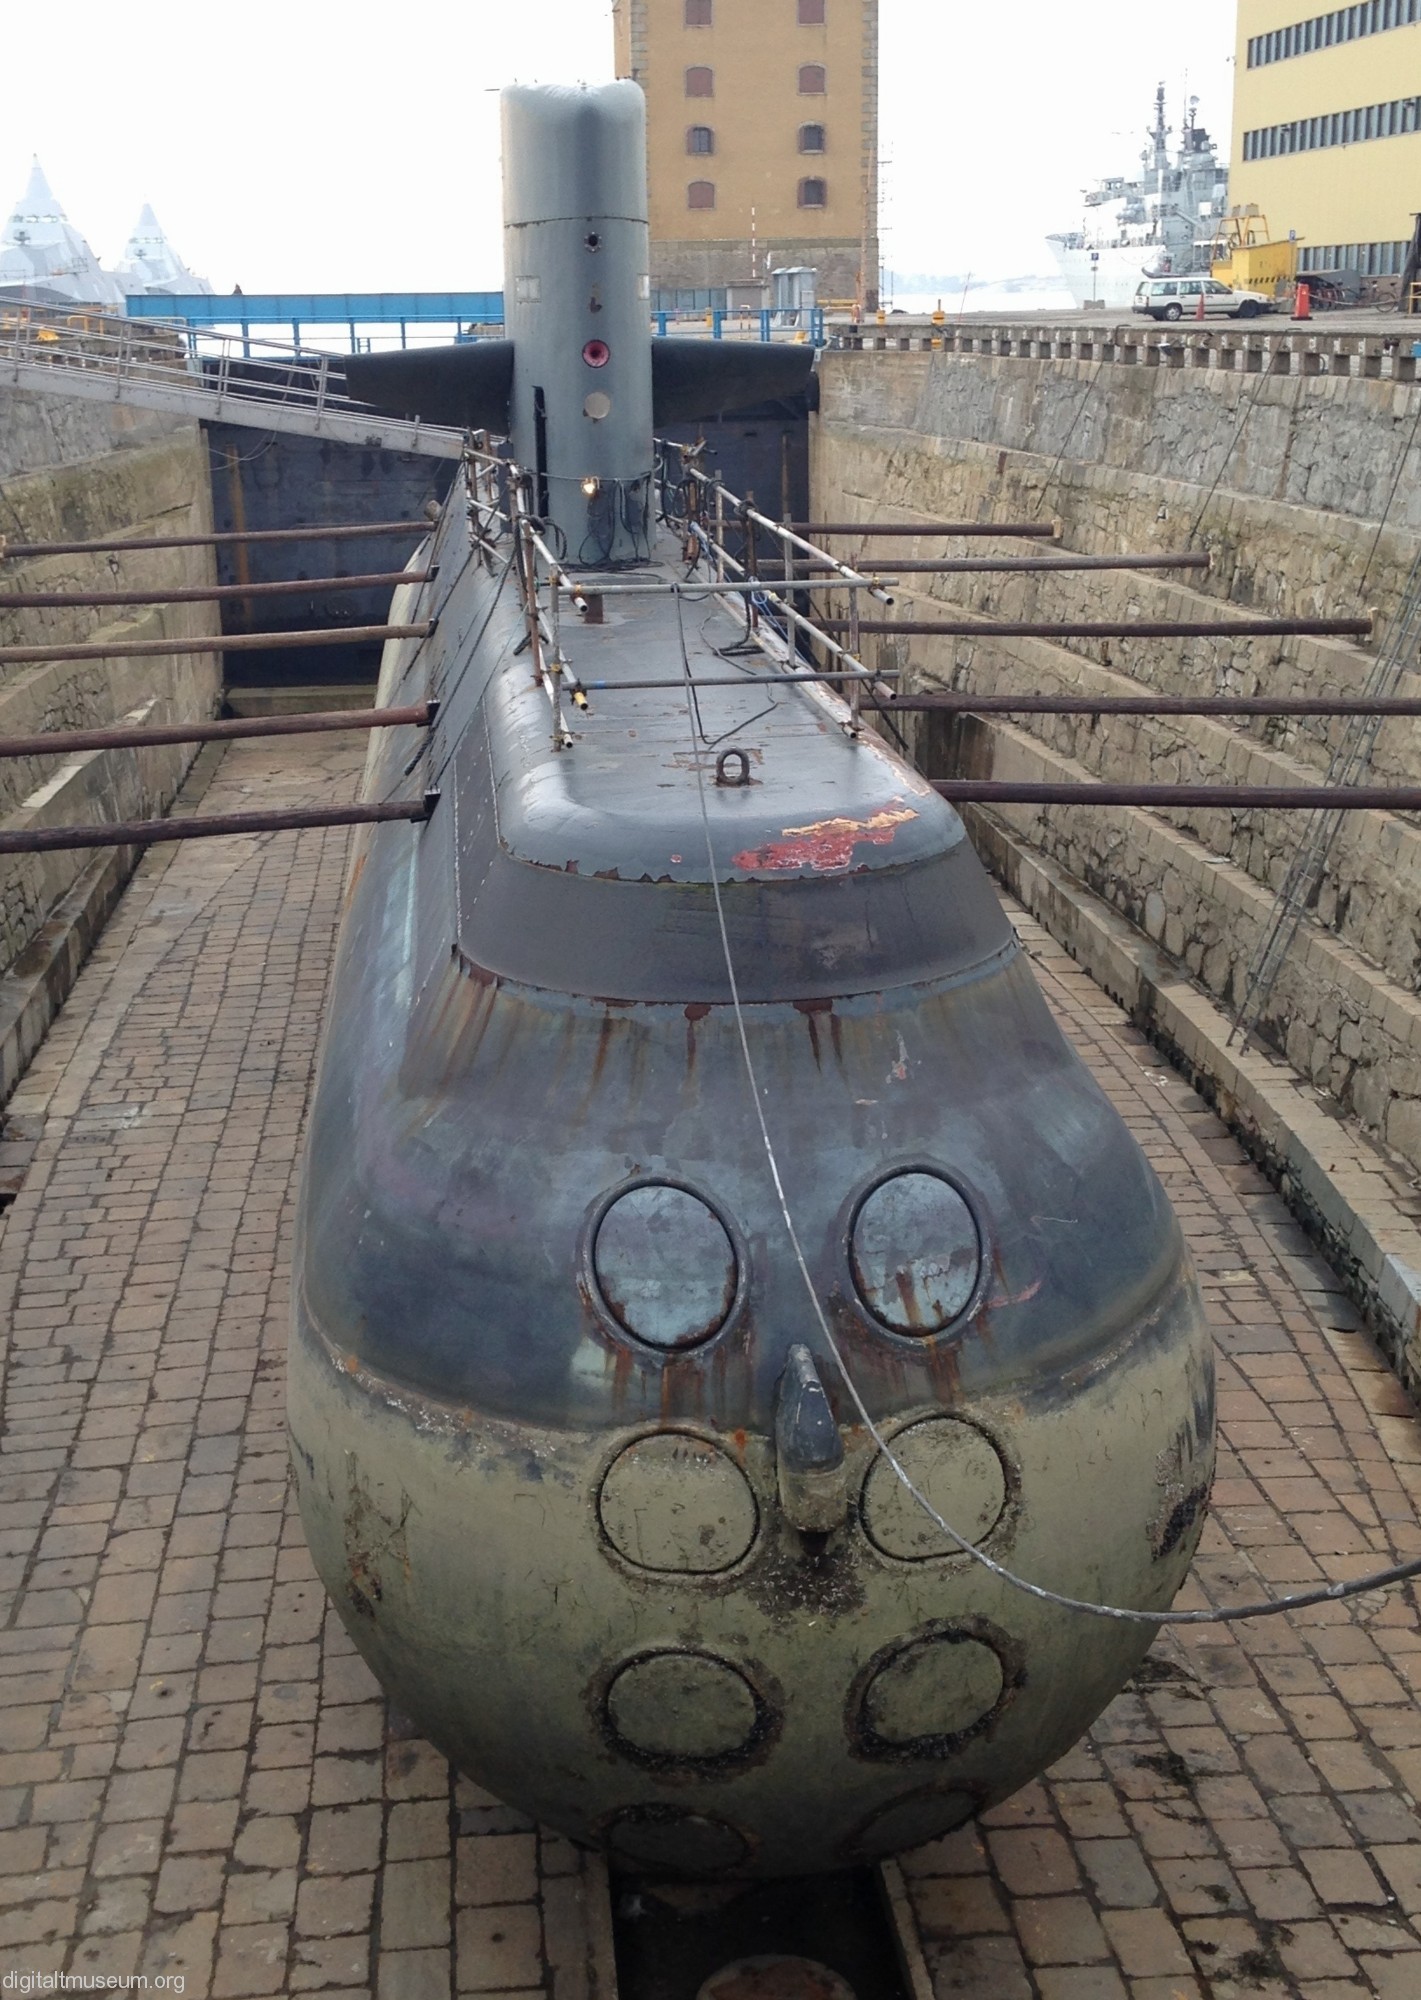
x: 199, y: 1778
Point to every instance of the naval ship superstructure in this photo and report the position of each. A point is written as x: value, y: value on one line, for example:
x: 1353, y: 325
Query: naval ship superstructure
x: 1158, y: 225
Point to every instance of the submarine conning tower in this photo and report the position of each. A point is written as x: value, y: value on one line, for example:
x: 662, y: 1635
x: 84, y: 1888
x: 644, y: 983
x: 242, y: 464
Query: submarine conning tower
x: 576, y: 290
x: 579, y: 384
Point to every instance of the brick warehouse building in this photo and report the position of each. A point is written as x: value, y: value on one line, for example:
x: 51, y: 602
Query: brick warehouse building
x: 762, y: 140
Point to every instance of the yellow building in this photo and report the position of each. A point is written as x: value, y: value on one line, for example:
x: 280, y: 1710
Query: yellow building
x: 762, y: 141
x: 1327, y: 128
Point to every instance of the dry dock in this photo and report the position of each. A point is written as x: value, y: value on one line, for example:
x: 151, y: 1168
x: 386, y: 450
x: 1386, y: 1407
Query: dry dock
x: 199, y: 1777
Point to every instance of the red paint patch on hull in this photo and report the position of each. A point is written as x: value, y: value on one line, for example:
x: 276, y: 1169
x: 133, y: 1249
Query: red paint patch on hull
x: 825, y: 846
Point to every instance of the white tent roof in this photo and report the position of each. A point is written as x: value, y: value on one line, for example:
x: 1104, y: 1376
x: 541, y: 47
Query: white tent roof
x: 151, y: 264
x: 40, y: 246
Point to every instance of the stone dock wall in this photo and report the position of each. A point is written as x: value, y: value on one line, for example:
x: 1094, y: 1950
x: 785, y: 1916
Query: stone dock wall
x: 75, y: 471
x: 1303, y: 488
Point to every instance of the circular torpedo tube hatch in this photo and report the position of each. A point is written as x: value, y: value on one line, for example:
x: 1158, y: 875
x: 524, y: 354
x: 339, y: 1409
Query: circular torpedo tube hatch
x: 665, y: 1265
x: 915, y: 1253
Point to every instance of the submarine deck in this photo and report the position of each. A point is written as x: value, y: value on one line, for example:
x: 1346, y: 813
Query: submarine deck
x: 199, y: 1777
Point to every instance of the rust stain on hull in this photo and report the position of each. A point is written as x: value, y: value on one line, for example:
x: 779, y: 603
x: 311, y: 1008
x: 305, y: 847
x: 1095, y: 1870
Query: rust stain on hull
x: 825, y: 845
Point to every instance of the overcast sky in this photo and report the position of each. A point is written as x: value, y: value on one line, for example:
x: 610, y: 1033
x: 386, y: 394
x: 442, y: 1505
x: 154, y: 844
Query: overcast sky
x: 317, y: 149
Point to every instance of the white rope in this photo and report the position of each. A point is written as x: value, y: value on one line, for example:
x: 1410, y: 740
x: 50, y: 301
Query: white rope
x: 1331, y: 1594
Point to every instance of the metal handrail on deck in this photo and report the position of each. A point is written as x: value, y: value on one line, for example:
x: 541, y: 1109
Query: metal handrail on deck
x: 697, y: 481
x: 545, y: 578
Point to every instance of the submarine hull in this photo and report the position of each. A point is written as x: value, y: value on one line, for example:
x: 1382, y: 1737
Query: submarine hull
x: 558, y: 1536
x: 694, y: 1161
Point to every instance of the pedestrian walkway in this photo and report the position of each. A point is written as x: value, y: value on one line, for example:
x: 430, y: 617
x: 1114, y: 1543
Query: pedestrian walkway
x: 100, y: 359
x: 198, y: 1776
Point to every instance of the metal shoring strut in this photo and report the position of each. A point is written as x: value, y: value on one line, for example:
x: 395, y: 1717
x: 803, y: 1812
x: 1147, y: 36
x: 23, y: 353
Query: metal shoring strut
x: 527, y: 544
x: 483, y: 513
x: 1120, y: 1614
x: 122, y: 545
x: 855, y: 642
x: 559, y: 673
x: 752, y: 569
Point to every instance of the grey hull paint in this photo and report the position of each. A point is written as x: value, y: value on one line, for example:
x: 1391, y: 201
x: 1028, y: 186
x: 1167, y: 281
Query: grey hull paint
x: 530, y: 1019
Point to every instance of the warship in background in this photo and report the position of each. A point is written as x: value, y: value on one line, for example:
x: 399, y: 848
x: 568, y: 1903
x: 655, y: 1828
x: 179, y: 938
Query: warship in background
x: 44, y: 260
x: 1161, y: 225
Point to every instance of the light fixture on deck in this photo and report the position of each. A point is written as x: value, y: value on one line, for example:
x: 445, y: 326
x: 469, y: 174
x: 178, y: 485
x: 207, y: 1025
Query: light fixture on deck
x: 591, y: 486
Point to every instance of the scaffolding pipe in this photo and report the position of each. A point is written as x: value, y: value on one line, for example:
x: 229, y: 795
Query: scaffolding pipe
x: 583, y: 588
x: 1044, y: 531
x: 1304, y: 798
x: 218, y: 642
x: 153, y: 832
x: 1055, y: 628
x: 957, y: 703
x: 207, y: 593
x: 1023, y: 565
x: 756, y: 681
x: 118, y: 545
x: 68, y: 742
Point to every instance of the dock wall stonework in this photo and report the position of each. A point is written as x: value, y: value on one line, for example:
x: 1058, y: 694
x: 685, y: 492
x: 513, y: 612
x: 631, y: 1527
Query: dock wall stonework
x: 72, y: 471
x: 1304, y: 489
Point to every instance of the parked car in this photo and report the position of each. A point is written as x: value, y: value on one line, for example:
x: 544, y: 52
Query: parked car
x: 1178, y: 298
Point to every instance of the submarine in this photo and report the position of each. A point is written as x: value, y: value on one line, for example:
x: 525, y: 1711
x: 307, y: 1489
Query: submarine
x: 701, y: 1209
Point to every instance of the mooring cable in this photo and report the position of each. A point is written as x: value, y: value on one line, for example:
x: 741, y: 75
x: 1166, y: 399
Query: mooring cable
x: 1270, y: 1608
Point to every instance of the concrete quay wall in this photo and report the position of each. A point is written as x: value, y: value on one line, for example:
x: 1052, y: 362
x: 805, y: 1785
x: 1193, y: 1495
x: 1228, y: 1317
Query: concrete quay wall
x: 72, y: 471
x: 1303, y: 490
x: 42, y: 432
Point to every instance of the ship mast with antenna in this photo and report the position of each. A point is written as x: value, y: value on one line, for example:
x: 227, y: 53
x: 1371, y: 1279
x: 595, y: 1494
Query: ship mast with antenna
x: 1160, y: 137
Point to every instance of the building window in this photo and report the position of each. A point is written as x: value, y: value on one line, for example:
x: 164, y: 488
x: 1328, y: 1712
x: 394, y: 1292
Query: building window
x: 813, y: 80
x: 811, y: 13
x: 700, y: 81
x: 1370, y: 260
x: 701, y: 194
x: 814, y: 194
x: 700, y: 139
x: 811, y: 139
x: 700, y: 13
x: 1335, y: 128
x: 1330, y: 30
